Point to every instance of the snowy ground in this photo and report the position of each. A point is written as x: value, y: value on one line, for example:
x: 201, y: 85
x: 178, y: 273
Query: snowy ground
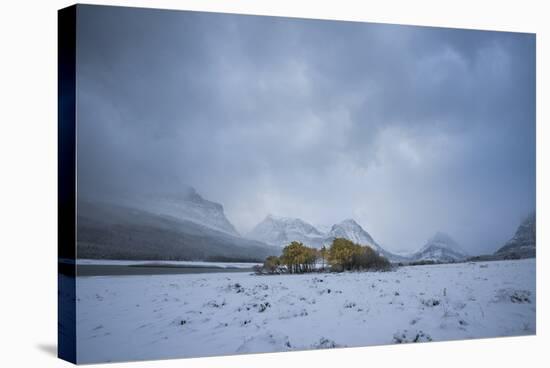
x: 150, y: 317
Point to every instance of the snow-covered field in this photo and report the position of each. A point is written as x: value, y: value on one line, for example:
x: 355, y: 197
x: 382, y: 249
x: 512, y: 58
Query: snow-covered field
x: 166, y: 316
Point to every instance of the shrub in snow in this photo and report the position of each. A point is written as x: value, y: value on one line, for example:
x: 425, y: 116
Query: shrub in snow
x: 512, y: 295
x: 271, y: 264
x: 430, y: 302
x: 325, y: 343
x: 214, y: 304
x: 263, y: 306
x: 407, y: 336
x: 349, y: 305
x: 236, y: 287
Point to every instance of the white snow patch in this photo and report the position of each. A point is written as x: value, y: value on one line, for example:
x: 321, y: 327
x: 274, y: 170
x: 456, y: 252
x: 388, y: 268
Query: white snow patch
x: 168, y: 316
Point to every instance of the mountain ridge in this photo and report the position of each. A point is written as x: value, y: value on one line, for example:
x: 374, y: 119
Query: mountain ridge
x: 110, y: 231
x: 441, y: 247
x: 523, y: 243
x: 280, y: 231
x: 185, y: 204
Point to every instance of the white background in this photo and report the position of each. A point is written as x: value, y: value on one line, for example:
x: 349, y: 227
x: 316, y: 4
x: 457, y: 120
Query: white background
x: 28, y: 181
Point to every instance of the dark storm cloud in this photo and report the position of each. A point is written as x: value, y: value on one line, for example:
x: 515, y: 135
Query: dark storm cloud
x: 409, y: 130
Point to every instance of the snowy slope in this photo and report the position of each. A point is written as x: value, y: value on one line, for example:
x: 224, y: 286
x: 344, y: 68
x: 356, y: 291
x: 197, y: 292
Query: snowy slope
x: 351, y: 230
x: 523, y: 244
x: 281, y: 231
x: 186, y: 205
x: 173, y: 316
x: 107, y: 231
x: 440, y: 248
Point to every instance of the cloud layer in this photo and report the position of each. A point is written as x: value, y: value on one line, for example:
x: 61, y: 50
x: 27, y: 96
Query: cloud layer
x: 409, y: 130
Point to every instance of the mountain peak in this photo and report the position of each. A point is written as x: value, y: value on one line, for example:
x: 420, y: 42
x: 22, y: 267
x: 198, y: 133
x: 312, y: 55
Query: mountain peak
x: 281, y: 231
x: 351, y: 230
x: 350, y: 221
x: 440, y: 247
x: 442, y: 238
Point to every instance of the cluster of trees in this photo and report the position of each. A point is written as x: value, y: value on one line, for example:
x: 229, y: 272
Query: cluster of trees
x: 298, y: 258
x: 342, y: 255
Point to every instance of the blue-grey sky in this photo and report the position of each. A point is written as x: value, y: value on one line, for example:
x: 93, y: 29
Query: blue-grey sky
x: 408, y: 130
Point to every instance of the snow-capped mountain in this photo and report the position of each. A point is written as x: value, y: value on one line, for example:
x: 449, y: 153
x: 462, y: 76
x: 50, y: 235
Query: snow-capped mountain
x: 113, y: 231
x: 280, y: 231
x: 351, y: 230
x: 187, y: 205
x: 440, y: 248
x: 323, y: 228
x: 523, y: 244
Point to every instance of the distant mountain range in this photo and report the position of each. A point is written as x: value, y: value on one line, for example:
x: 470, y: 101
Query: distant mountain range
x: 281, y: 231
x: 185, y: 226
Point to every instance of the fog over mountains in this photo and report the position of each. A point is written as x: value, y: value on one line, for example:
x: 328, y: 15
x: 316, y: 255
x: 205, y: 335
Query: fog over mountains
x: 280, y: 231
x: 523, y: 243
x: 184, y: 225
x: 180, y: 226
x: 185, y: 204
x: 441, y: 247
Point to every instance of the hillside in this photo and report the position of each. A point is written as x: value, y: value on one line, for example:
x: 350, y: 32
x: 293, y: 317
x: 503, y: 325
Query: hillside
x: 107, y: 231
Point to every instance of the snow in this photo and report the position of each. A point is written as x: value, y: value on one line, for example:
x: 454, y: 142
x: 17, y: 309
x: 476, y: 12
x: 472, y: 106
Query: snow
x: 280, y: 231
x: 440, y: 247
x: 443, y: 241
x: 351, y: 230
x: 124, y: 318
x: 185, y: 205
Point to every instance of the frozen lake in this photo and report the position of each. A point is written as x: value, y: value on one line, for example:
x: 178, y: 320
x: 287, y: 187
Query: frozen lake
x: 106, y: 267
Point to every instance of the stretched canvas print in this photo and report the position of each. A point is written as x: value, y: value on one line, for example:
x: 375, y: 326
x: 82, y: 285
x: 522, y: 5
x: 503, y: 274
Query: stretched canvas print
x: 234, y: 184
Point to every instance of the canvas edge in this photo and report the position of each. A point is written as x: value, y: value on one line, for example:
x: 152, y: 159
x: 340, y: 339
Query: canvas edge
x: 66, y: 185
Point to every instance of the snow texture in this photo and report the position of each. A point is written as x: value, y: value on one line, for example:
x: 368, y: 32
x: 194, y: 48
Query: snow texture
x: 167, y: 316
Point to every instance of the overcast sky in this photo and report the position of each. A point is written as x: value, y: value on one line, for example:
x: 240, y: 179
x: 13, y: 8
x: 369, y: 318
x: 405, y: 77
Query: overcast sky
x: 408, y: 130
